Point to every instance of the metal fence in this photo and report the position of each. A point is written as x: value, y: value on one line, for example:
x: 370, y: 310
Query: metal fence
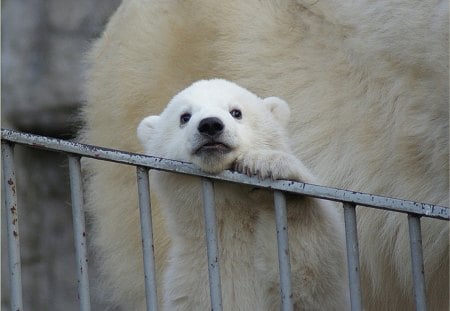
x: 75, y: 151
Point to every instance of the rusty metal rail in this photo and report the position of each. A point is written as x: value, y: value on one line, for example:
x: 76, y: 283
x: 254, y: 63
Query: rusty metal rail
x: 74, y: 151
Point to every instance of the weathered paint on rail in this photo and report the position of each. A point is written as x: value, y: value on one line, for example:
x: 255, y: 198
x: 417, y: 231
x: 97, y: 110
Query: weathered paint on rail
x: 328, y: 193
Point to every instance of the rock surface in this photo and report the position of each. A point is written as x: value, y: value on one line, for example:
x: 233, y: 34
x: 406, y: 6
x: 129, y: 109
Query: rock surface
x: 43, y: 43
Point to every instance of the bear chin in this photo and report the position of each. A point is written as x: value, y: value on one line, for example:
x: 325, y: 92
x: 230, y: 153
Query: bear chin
x: 214, y: 160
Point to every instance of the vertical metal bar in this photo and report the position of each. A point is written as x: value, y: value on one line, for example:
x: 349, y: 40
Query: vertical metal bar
x: 351, y: 238
x: 415, y: 239
x: 283, y: 251
x: 12, y: 225
x: 212, y: 244
x: 147, y: 238
x: 79, y: 232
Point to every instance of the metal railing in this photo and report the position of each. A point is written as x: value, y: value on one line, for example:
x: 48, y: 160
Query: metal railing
x: 75, y: 151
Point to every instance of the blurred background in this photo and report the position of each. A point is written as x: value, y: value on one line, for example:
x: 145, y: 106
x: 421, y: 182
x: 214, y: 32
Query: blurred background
x: 43, y: 43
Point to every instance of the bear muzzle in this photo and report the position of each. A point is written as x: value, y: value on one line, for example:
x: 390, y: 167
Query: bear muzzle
x: 211, y: 130
x: 211, y: 127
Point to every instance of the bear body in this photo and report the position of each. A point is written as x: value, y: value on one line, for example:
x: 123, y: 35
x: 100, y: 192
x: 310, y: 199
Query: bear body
x: 218, y: 125
x: 367, y: 84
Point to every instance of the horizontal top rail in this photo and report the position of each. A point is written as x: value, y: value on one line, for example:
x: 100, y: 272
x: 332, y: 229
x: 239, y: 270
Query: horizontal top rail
x: 321, y: 192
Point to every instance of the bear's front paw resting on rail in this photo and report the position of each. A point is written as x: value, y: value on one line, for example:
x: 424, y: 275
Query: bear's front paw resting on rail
x: 272, y: 164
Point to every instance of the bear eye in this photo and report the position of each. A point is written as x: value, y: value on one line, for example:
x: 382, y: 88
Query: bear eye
x: 236, y: 113
x: 185, y: 117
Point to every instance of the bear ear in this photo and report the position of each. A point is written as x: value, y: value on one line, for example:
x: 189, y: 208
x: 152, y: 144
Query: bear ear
x: 146, y: 128
x: 279, y: 108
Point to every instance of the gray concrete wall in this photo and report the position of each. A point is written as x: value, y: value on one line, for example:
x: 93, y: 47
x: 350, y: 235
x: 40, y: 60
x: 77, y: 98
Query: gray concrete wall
x: 43, y: 43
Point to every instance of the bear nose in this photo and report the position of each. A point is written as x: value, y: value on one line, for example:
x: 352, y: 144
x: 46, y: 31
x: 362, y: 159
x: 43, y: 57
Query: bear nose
x: 211, y: 126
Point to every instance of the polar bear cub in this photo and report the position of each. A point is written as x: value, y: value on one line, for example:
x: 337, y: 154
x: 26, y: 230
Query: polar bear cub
x: 218, y: 125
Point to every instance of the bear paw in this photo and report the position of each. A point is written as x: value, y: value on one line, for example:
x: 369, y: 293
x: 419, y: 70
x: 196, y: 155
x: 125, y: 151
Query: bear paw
x: 272, y: 164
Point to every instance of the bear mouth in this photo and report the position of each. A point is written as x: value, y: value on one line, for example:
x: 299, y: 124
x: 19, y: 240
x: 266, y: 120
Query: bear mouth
x: 212, y: 147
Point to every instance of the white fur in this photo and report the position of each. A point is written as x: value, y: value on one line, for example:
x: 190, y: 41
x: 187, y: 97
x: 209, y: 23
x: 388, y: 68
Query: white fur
x: 367, y: 83
x: 247, y: 243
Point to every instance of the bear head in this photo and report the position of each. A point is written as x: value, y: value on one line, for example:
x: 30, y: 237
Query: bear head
x: 212, y: 122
